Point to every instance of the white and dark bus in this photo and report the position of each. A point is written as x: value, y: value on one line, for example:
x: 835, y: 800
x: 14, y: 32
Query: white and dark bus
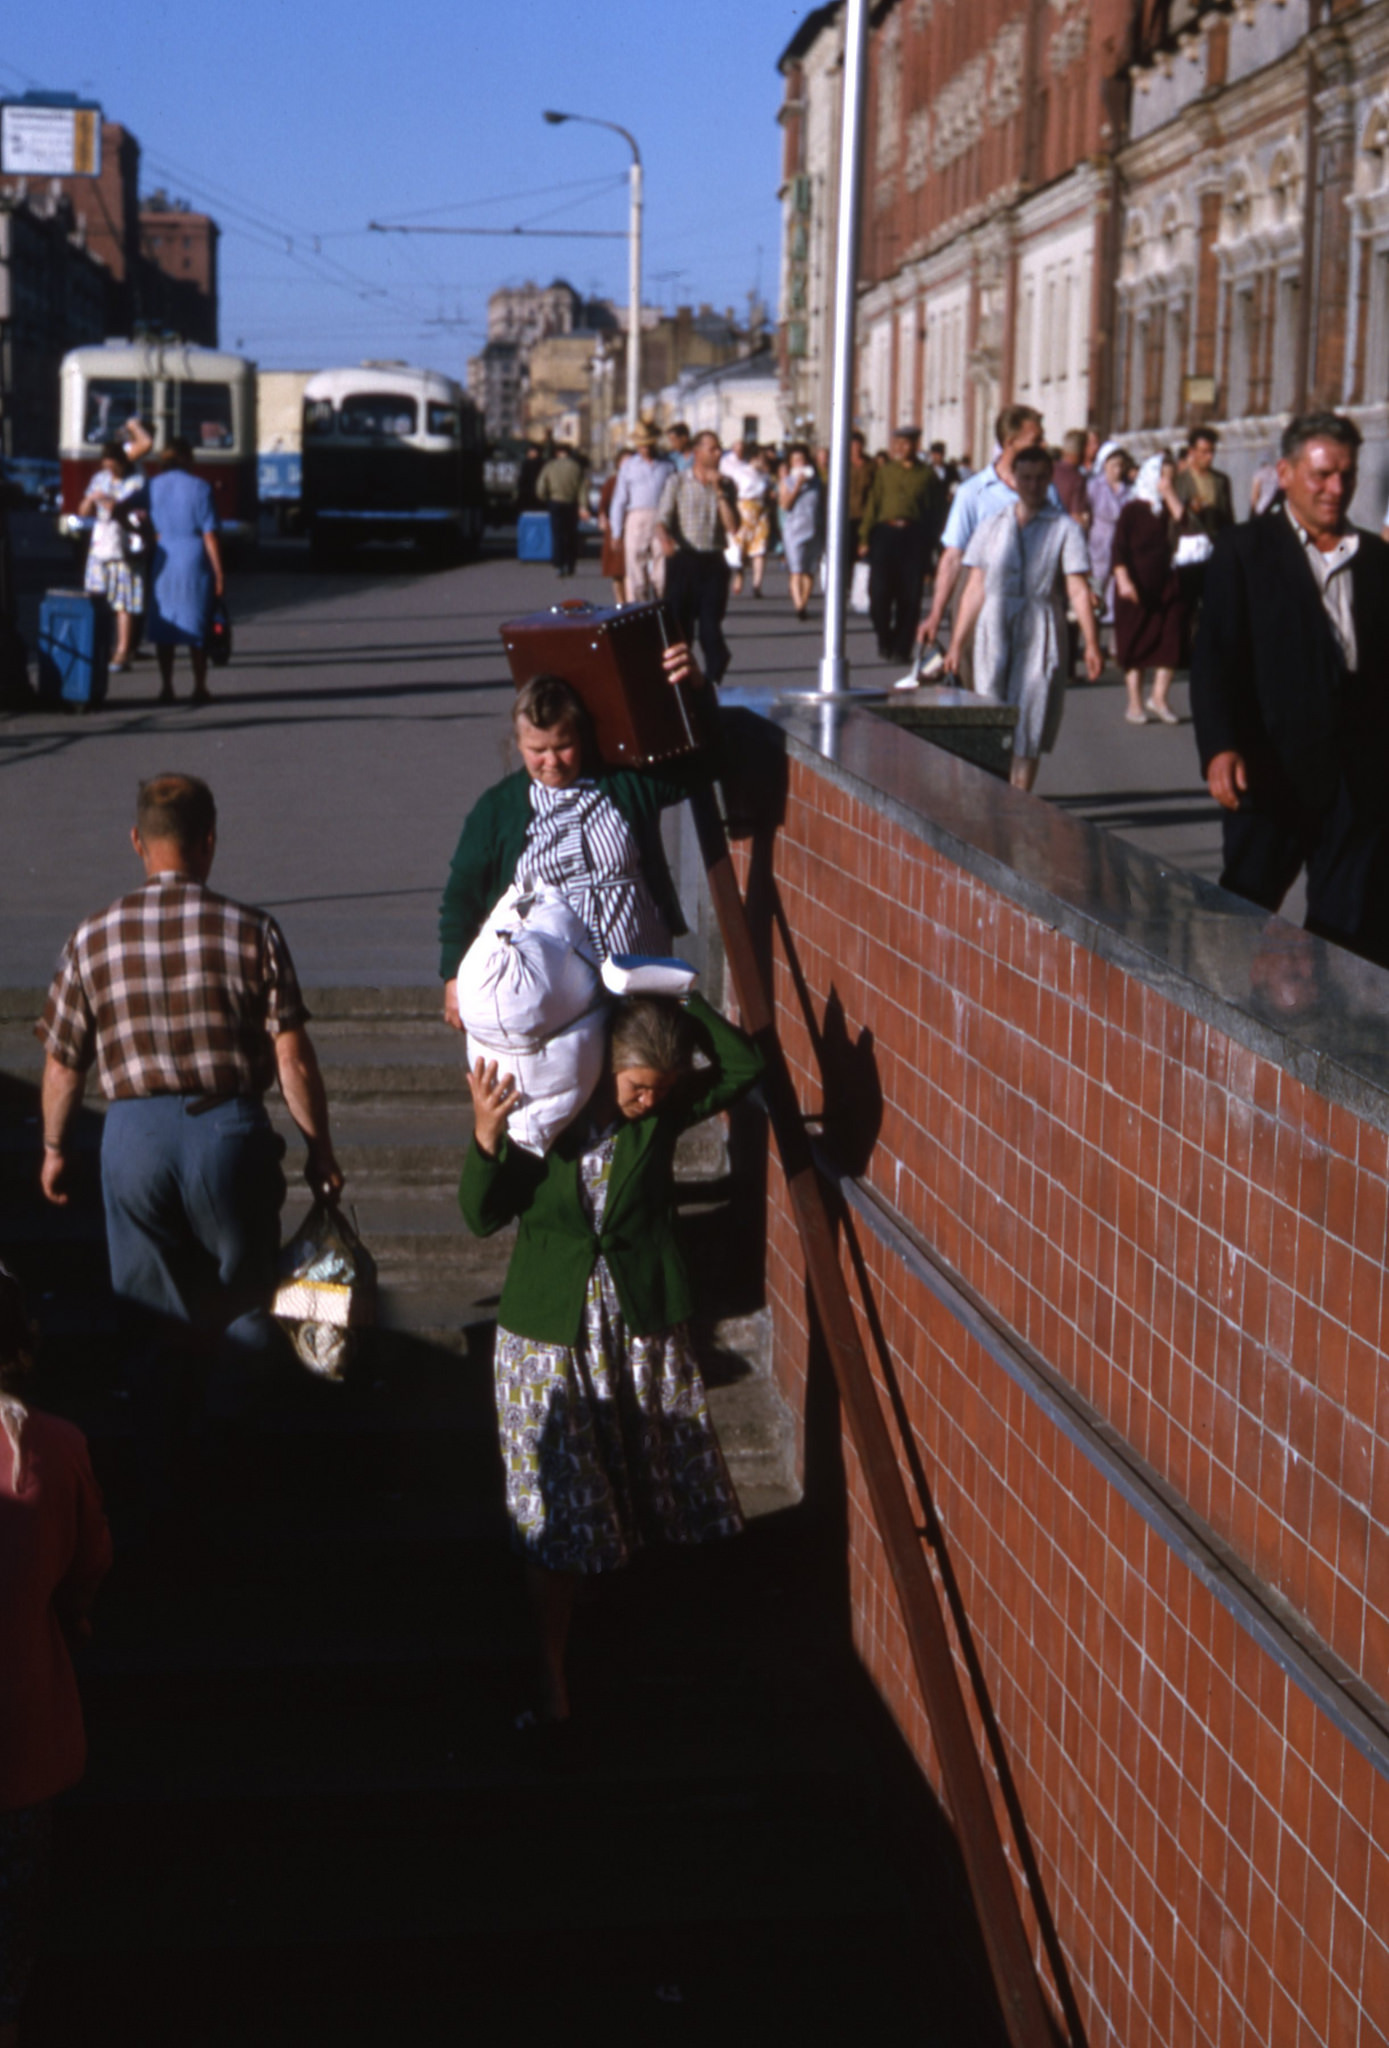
x: 391, y: 453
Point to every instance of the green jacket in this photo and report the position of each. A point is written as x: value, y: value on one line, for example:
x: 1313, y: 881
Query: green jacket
x: 494, y: 832
x: 901, y: 492
x: 543, y: 1297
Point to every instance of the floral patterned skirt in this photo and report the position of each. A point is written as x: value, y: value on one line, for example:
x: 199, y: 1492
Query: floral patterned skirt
x: 120, y: 583
x: 608, y: 1443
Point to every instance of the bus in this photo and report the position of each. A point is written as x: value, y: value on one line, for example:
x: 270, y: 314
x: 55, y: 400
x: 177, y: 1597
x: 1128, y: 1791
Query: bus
x: 391, y: 452
x: 202, y: 394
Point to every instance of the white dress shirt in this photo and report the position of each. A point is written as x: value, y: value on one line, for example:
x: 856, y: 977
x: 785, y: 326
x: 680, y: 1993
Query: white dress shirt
x: 1332, y: 571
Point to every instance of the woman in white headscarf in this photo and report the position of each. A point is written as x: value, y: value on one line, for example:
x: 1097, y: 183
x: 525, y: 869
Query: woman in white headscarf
x: 1149, y: 614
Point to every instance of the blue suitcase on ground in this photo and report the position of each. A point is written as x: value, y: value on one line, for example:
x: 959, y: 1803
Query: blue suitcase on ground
x: 533, y: 540
x: 72, y: 650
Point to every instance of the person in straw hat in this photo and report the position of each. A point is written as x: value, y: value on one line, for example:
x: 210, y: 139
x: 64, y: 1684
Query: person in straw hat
x: 632, y: 514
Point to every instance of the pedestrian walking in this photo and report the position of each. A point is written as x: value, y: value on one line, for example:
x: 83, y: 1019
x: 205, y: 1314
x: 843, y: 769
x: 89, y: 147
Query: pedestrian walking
x: 113, y: 566
x: 55, y: 1554
x: 1290, y: 694
x: 614, y: 561
x: 1109, y: 492
x: 188, y: 1006
x: 1149, y: 609
x: 186, y: 575
x: 802, y: 524
x: 1207, y: 500
x: 1024, y: 563
x: 981, y: 495
x: 633, y: 513
x: 696, y: 520
x: 1070, y: 479
x: 560, y: 488
x: 901, y: 523
x: 606, y: 1436
x: 750, y: 473
x: 679, y: 449
x: 563, y: 819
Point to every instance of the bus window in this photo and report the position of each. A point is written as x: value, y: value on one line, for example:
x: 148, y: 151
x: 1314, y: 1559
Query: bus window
x: 443, y: 419
x: 379, y: 413
x: 205, y: 415
x: 318, y: 418
x: 111, y: 401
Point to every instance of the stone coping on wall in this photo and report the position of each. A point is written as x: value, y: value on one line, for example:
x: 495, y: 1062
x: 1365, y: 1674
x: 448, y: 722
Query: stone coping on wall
x: 1314, y: 1010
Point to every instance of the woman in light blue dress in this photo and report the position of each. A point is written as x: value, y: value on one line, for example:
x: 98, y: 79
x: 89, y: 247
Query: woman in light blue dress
x: 800, y: 497
x: 186, y: 572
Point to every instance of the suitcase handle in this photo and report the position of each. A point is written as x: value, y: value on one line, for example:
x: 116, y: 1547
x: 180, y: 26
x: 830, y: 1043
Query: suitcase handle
x: 573, y: 604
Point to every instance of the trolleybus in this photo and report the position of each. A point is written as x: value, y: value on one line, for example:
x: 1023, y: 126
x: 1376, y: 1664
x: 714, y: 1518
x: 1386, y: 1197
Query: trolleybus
x: 391, y: 452
x: 202, y: 394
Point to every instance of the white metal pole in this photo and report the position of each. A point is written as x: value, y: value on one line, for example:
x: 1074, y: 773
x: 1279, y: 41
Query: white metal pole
x: 634, y: 305
x: 834, y: 664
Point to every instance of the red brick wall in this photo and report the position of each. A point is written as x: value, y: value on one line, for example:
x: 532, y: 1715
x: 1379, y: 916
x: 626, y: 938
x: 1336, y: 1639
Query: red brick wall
x: 1195, y: 1242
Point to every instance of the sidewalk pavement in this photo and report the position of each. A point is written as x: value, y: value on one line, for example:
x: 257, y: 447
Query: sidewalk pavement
x: 363, y: 714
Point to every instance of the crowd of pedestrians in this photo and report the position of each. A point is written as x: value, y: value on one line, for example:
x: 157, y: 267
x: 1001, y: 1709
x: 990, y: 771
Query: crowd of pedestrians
x: 187, y: 1007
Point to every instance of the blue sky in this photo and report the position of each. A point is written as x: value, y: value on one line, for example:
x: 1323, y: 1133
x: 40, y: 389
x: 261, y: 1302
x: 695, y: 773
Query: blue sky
x: 296, y: 126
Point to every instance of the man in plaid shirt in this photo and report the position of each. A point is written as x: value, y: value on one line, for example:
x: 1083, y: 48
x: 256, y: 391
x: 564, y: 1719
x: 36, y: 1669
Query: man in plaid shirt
x: 189, y: 1007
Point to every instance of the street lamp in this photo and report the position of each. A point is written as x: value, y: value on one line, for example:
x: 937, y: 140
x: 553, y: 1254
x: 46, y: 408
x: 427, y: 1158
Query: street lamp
x: 634, y: 260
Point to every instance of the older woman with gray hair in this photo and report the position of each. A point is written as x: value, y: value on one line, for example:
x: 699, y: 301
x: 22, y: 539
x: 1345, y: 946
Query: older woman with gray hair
x: 606, y: 1437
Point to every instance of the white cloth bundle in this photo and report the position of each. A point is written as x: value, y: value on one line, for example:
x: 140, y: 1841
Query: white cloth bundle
x: 530, y: 997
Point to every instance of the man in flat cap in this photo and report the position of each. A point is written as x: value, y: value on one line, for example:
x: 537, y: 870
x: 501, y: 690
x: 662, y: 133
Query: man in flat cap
x: 902, y: 519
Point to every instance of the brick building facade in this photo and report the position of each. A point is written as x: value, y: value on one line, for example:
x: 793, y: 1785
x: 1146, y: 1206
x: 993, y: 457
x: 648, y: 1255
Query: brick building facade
x: 1100, y: 208
x: 160, y: 258
x: 1237, y: 300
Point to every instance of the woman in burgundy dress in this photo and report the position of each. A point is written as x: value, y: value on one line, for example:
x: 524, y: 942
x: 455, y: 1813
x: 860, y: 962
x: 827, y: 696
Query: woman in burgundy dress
x: 1149, y: 615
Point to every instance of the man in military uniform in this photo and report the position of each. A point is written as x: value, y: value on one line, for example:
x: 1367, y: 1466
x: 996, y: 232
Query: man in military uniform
x: 901, y: 523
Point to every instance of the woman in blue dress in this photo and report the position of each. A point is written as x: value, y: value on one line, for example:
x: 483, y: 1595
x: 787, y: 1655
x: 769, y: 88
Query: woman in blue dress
x: 800, y: 524
x: 186, y: 571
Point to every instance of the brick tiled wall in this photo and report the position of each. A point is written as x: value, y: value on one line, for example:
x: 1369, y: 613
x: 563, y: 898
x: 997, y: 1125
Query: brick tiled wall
x: 1195, y: 1242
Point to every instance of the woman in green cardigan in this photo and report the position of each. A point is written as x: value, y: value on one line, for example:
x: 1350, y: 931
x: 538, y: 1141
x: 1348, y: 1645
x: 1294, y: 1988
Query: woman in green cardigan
x: 605, y: 1428
x: 593, y: 832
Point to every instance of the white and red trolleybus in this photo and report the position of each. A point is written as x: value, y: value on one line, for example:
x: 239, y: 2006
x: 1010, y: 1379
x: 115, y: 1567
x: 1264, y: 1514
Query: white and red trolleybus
x: 204, y: 395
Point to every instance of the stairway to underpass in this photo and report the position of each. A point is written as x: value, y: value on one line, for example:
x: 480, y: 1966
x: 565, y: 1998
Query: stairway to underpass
x: 308, y: 1816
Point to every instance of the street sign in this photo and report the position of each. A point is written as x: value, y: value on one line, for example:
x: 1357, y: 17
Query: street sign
x: 50, y: 142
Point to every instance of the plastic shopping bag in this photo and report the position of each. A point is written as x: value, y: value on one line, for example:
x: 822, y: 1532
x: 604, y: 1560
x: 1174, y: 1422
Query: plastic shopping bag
x: 858, y: 588
x: 326, y: 1291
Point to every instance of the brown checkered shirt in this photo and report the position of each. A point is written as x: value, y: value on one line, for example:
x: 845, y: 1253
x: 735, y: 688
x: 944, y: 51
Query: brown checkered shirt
x: 173, y: 991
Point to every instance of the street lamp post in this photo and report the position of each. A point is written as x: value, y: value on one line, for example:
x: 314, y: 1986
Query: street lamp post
x: 633, y: 263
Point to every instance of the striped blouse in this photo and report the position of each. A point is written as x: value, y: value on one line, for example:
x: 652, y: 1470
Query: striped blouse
x: 579, y: 841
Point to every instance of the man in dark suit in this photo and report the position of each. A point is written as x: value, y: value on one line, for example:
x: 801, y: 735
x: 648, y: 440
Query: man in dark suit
x: 1290, y: 694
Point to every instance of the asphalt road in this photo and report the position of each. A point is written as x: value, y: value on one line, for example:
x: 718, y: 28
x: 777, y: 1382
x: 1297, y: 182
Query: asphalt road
x: 362, y: 715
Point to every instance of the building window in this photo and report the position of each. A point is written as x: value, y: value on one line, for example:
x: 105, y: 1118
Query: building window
x: 1241, y: 348
x: 1173, y: 352
x: 1138, y: 369
x: 1285, y: 336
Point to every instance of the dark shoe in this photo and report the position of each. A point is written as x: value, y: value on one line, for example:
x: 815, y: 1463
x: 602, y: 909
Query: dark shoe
x: 201, y: 697
x: 166, y: 696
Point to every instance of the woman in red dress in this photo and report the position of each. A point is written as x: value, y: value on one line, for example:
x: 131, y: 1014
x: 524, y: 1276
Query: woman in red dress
x: 1149, y: 614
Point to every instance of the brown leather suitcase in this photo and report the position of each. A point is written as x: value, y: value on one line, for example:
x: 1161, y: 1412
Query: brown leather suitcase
x: 612, y: 658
